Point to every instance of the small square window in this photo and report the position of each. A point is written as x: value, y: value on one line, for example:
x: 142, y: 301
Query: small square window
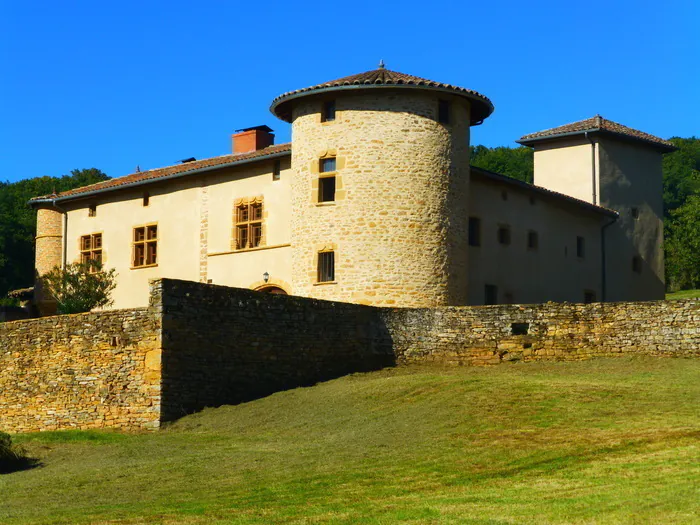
x: 637, y: 264
x: 580, y: 247
x: 328, y: 112
x: 146, y: 199
x: 92, y: 210
x: 474, y: 231
x: 490, y: 294
x: 443, y: 112
x: 326, y: 267
x: 326, y: 189
x: 504, y: 235
x: 276, y: 170
x: 327, y: 165
x: 533, y: 240
x: 635, y: 213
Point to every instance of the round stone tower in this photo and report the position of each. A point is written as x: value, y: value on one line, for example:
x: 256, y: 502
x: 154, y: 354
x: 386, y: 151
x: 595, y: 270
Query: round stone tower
x: 49, y: 253
x: 381, y: 188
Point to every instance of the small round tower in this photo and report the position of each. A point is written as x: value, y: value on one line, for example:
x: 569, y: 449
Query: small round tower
x: 49, y: 253
x: 381, y: 188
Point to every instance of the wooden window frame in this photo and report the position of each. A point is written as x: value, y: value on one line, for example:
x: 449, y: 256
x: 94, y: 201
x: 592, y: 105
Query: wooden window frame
x: 325, y: 266
x: 90, y: 252
x: 248, y: 224
x: 146, y: 247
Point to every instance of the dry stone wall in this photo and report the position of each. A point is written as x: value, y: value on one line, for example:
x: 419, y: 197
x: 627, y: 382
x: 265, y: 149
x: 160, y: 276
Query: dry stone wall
x: 227, y: 345
x: 94, y: 370
x: 487, y: 335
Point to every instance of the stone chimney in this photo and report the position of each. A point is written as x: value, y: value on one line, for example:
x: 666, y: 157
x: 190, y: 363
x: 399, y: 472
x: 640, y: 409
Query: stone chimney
x: 252, y: 139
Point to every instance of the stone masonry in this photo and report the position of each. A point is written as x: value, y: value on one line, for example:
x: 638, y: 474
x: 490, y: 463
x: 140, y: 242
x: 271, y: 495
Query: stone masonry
x: 200, y: 345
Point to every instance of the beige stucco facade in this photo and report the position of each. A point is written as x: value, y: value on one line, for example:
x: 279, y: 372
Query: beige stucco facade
x: 377, y: 186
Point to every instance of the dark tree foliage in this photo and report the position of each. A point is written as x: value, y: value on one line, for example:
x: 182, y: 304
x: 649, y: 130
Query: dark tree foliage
x: 517, y: 163
x: 681, y: 173
x: 18, y: 223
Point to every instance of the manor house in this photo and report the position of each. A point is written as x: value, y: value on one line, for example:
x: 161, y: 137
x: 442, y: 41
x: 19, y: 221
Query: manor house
x: 374, y: 201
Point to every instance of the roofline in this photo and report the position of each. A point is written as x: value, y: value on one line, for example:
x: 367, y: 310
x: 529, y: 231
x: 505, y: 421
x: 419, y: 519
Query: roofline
x: 309, y: 92
x: 154, y: 180
x: 622, y: 136
x: 545, y: 192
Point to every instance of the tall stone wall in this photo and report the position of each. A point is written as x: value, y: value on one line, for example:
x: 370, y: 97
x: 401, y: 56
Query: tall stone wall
x: 227, y: 345
x: 94, y: 370
x: 487, y: 335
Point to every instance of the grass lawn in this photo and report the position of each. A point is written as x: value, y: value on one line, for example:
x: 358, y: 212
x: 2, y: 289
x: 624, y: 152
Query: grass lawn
x: 602, y: 441
x: 684, y: 294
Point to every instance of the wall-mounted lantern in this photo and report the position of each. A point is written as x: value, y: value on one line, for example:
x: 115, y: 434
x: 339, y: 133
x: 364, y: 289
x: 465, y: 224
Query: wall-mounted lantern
x: 266, y: 277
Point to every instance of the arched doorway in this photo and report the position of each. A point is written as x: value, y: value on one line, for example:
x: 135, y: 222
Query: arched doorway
x: 272, y: 289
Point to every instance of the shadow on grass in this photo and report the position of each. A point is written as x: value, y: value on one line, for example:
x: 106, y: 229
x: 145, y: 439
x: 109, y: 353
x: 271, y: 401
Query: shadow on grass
x: 18, y: 465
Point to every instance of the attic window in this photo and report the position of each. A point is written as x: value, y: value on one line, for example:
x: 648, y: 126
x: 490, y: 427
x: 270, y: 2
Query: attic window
x: 580, y: 247
x: 504, y: 235
x: 637, y: 264
x: 533, y: 240
x: 276, y: 170
x: 92, y: 210
x: 328, y: 111
x: 146, y: 199
x: 443, y: 112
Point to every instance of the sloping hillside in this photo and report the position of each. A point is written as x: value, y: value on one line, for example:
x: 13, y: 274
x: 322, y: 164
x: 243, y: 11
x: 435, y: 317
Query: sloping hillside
x: 604, y: 441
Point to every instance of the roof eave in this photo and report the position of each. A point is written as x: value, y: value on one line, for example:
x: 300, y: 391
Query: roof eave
x: 286, y: 116
x: 154, y: 180
x: 657, y: 145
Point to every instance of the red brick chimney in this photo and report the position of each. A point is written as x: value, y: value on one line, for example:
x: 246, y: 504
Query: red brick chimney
x: 252, y: 139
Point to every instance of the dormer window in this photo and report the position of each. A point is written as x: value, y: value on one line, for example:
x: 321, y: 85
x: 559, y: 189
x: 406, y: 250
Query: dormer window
x: 328, y: 111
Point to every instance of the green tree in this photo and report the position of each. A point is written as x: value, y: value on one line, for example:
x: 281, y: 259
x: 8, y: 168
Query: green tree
x: 681, y: 172
x: 80, y: 287
x: 683, y: 246
x: 18, y: 223
x: 517, y: 163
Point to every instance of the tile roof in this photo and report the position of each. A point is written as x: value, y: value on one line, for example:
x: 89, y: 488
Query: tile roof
x: 497, y: 177
x: 597, y: 124
x: 178, y: 169
x: 482, y: 107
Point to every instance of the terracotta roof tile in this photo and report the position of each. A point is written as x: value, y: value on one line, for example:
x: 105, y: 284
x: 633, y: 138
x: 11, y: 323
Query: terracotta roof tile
x: 155, y: 174
x: 596, y: 124
x: 482, y: 107
x: 497, y: 177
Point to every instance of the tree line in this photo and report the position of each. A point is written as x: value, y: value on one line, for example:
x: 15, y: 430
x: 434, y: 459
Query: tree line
x: 681, y: 192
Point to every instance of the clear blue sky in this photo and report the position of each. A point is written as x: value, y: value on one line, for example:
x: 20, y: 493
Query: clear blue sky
x: 113, y: 85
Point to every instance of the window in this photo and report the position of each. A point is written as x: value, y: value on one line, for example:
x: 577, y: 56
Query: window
x: 91, y: 249
x: 327, y: 165
x: 589, y: 296
x: 145, y: 246
x: 146, y: 199
x: 504, y: 235
x: 326, y: 267
x: 490, y: 294
x: 474, y: 231
x: 637, y: 264
x: 249, y: 227
x: 326, y: 189
x: 504, y: 195
x: 326, y: 184
x: 443, y: 112
x: 533, y: 240
x: 328, y: 111
x: 92, y: 210
x: 276, y: 170
x: 580, y: 247
x: 635, y: 213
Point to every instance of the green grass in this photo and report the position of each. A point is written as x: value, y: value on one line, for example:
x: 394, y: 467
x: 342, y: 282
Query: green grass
x: 602, y: 441
x: 684, y: 294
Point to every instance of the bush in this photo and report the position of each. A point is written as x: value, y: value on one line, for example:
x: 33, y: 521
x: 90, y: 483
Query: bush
x: 12, y: 457
x: 80, y: 287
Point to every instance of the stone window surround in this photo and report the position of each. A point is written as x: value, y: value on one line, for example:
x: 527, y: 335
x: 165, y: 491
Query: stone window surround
x: 325, y: 248
x: 145, y: 243
x: 315, y: 169
x: 247, y: 201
